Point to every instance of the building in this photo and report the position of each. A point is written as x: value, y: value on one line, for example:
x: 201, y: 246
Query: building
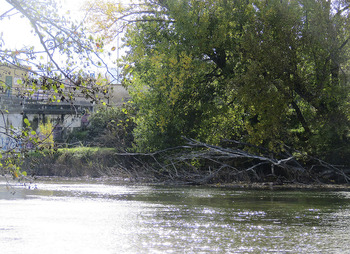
x: 11, y: 78
x: 16, y: 104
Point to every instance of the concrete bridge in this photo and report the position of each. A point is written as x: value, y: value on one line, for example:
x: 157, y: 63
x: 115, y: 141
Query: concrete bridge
x: 31, y: 106
x: 37, y: 109
x: 65, y: 116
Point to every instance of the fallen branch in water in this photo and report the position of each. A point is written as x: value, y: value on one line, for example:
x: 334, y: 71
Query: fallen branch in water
x: 201, y: 163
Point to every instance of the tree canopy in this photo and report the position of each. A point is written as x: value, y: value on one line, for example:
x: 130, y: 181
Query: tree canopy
x: 271, y: 73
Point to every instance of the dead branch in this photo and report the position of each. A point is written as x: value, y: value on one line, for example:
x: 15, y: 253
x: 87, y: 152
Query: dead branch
x: 200, y: 163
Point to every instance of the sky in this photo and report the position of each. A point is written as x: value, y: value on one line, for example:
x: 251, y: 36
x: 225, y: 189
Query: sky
x: 16, y: 31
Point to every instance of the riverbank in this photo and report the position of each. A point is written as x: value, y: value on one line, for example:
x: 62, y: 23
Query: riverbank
x: 71, y: 162
x: 287, y: 186
x: 106, y: 163
x: 154, y: 182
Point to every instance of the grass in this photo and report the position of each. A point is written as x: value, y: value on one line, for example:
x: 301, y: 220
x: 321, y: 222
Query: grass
x: 83, y: 149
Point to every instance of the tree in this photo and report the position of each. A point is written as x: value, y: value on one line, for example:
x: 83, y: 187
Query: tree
x: 176, y: 87
x: 271, y: 73
x: 298, y: 55
x: 61, y: 53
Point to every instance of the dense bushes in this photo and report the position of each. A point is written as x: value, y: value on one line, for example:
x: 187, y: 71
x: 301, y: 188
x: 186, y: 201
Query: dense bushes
x: 108, y: 127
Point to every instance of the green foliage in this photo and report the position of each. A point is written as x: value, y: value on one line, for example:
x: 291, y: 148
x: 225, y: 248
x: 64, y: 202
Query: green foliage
x: 79, y: 135
x: 108, y: 127
x: 112, y: 127
x: 268, y: 73
x: 46, y: 135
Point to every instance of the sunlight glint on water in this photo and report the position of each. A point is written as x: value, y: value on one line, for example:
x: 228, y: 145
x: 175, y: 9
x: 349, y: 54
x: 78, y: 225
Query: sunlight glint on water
x: 78, y: 217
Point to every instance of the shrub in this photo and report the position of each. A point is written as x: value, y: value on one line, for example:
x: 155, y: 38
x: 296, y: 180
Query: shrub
x: 111, y: 127
x: 46, y: 135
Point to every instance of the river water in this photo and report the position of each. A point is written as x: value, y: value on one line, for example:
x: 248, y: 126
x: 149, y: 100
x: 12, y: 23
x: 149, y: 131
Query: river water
x: 65, y: 216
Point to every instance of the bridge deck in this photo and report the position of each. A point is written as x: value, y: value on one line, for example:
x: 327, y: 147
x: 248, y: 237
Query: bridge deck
x: 29, y: 106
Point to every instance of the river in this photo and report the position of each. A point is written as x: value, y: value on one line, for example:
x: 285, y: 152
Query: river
x: 66, y: 216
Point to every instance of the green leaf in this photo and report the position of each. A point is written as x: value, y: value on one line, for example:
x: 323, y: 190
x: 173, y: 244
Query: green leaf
x: 26, y: 121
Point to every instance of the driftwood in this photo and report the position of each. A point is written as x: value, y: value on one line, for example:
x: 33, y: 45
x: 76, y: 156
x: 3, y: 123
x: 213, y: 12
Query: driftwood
x: 201, y: 163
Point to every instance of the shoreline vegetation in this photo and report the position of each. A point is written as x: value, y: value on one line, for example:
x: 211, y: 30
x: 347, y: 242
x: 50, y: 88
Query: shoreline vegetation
x: 188, y: 169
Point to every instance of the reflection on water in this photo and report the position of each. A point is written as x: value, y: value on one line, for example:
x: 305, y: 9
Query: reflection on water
x: 78, y: 217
